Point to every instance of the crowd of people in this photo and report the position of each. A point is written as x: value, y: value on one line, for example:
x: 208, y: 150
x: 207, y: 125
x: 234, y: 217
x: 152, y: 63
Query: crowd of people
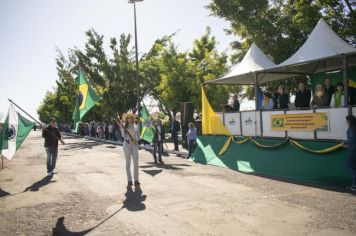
x: 130, y: 134
x: 111, y: 131
x: 325, y: 95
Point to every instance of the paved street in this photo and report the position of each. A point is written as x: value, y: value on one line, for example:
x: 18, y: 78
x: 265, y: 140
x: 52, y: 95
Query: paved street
x: 88, y: 195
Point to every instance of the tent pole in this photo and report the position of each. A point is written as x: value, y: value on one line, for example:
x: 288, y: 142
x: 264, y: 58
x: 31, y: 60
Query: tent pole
x: 256, y: 92
x: 2, y: 161
x: 346, y: 87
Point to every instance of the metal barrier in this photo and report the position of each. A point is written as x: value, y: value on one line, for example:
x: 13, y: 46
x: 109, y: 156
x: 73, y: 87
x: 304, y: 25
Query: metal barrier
x: 258, y: 123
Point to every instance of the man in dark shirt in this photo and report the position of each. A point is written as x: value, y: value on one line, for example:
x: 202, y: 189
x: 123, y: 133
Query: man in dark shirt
x: 175, y: 128
x: 235, y: 103
x: 158, y: 140
x: 51, y: 136
x: 302, y: 97
x: 329, y: 89
x: 275, y: 97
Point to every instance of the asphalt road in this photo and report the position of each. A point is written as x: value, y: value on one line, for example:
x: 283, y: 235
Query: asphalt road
x: 88, y: 195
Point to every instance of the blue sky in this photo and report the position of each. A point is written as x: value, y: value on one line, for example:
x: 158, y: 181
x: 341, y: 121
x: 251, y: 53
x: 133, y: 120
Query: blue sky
x: 30, y: 30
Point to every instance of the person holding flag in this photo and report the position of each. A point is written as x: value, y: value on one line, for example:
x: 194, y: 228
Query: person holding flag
x: 51, y: 136
x: 131, y: 136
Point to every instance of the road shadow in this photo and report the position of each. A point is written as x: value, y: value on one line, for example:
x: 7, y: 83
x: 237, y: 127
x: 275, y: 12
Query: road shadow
x: 339, y: 189
x: 133, y: 202
x: 3, y: 193
x: 81, y: 145
x: 152, y: 172
x: 134, y: 199
x: 61, y: 230
x: 39, y: 184
x: 112, y: 147
x: 165, y: 166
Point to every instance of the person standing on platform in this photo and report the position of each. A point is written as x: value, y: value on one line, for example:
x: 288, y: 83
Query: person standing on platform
x: 283, y: 98
x: 320, y: 98
x: 192, y: 137
x: 351, y: 144
x: 235, y: 103
x: 158, y: 140
x: 302, y: 97
x: 51, y: 136
x: 175, y: 128
x: 267, y: 103
x: 329, y: 90
x: 275, y: 97
x: 337, y: 99
x: 131, y: 136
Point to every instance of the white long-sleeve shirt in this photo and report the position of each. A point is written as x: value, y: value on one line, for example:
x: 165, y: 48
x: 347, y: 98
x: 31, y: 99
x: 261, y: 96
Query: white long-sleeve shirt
x: 332, y: 103
x: 127, y: 137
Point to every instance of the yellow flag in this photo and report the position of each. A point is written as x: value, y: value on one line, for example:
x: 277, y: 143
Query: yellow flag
x: 352, y: 84
x: 211, y: 123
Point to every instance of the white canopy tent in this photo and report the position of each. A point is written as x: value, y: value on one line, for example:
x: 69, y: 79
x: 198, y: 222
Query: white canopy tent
x: 246, y: 71
x: 323, y: 51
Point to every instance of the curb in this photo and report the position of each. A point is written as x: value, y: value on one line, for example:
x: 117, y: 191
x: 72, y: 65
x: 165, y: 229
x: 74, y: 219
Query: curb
x: 146, y: 147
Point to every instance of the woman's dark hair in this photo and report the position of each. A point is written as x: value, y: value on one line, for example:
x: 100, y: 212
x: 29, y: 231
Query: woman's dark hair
x: 352, y: 120
x: 267, y: 94
x: 339, y: 84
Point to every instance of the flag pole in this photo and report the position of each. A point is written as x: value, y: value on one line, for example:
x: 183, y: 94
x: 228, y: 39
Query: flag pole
x: 24, y: 112
x: 31, y: 117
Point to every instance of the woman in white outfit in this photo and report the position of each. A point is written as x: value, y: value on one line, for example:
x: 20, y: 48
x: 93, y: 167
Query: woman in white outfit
x: 131, y: 136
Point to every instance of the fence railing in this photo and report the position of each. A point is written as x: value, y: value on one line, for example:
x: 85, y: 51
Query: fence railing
x: 258, y: 123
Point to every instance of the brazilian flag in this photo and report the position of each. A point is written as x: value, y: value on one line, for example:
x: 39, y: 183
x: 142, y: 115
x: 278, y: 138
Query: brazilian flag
x: 278, y: 122
x: 148, y: 131
x: 86, y: 100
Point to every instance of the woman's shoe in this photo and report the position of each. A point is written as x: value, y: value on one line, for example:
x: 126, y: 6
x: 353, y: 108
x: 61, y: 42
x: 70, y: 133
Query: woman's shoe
x: 137, y: 182
x: 129, y: 184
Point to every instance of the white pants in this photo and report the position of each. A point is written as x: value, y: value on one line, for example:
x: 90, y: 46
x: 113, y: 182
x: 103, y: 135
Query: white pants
x: 131, y: 152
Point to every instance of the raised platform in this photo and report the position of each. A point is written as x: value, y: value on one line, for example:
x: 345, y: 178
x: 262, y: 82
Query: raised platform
x: 286, y: 162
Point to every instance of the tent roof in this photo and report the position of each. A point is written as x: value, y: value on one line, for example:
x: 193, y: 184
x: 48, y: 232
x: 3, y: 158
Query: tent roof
x: 323, y: 42
x: 322, y: 51
x: 243, y: 73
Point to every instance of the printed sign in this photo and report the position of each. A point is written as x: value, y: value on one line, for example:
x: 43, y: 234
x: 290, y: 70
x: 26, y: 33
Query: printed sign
x: 300, y: 122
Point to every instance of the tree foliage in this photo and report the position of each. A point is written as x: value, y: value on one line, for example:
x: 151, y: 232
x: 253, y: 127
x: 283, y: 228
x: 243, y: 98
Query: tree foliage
x: 167, y: 75
x: 171, y: 76
x: 112, y: 78
x: 279, y: 27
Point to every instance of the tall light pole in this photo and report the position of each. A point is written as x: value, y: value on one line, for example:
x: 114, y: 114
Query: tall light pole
x: 137, y: 68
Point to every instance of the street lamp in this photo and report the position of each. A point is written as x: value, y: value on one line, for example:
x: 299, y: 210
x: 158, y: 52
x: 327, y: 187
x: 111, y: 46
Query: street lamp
x: 137, y: 69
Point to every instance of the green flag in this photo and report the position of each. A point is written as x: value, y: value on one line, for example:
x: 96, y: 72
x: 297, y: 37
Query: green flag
x: 13, y: 133
x: 86, y: 100
x: 148, y: 131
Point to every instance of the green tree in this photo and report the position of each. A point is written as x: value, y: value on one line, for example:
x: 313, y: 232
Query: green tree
x: 280, y: 27
x: 112, y: 77
x: 172, y: 77
x: 207, y: 64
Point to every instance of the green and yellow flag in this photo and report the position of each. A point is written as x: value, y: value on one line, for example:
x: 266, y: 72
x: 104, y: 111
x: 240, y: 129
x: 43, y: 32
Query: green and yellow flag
x: 147, y: 131
x: 86, y: 100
